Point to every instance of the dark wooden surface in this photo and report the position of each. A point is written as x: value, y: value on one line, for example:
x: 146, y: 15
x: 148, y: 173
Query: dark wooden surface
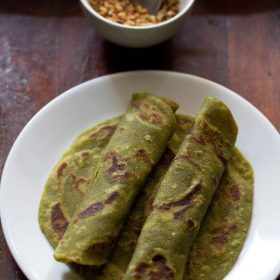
x: 47, y: 47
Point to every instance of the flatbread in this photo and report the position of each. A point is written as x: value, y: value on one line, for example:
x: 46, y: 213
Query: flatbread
x: 184, y: 196
x: 136, y: 146
x: 117, y: 265
x: 57, y: 208
x: 70, y: 178
x: 226, y: 224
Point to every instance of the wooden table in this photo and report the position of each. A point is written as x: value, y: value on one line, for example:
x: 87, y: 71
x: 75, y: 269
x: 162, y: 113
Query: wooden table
x: 47, y: 47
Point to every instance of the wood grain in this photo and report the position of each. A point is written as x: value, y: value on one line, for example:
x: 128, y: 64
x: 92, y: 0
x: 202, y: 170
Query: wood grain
x: 47, y: 47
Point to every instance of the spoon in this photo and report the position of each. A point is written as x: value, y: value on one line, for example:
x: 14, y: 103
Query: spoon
x: 151, y: 5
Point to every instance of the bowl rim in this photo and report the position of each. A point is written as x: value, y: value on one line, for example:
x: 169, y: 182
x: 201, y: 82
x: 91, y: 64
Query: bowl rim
x: 185, y: 9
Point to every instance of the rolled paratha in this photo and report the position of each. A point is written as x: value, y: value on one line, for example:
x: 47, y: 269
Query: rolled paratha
x: 184, y: 196
x: 69, y: 179
x: 136, y: 146
x: 141, y: 208
x: 224, y: 229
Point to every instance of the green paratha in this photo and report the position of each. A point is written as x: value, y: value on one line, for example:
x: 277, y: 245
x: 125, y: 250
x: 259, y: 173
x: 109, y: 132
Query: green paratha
x: 57, y: 207
x: 184, y: 196
x: 117, y: 265
x: 225, y: 226
x: 70, y: 178
x: 136, y: 146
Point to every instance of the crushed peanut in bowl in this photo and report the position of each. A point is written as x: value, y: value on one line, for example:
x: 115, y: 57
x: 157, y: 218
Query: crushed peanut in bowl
x: 130, y: 13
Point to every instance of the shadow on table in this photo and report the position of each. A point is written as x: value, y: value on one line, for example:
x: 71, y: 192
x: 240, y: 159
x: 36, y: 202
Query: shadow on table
x: 164, y: 56
x: 117, y: 58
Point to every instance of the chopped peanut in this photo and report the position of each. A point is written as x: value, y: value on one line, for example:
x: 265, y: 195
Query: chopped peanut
x: 128, y: 12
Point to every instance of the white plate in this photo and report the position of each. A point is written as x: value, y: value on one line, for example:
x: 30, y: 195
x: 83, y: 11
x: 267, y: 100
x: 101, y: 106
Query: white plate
x: 51, y: 130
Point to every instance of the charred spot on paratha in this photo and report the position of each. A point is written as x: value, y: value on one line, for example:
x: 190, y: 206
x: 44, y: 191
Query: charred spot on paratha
x: 91, y: 210
x: 58, y: 221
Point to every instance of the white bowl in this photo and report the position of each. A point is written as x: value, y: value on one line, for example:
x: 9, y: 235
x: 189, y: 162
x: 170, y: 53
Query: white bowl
x: 136, y: 36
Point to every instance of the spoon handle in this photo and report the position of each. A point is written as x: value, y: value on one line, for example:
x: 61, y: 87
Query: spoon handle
x: 151, y: 5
